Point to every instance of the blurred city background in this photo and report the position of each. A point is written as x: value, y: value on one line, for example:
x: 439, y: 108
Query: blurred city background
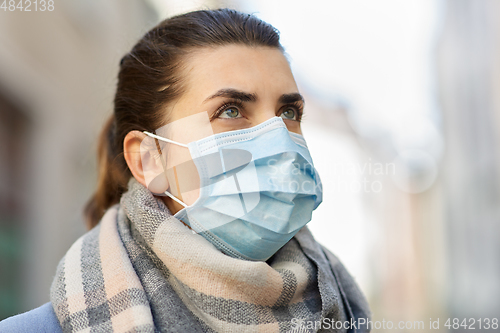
x: 402, y: 120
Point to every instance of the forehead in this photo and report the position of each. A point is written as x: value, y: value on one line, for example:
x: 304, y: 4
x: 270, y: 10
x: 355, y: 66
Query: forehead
x: 252, y: 69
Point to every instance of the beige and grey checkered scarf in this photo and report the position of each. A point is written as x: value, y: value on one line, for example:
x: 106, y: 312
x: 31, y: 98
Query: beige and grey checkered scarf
x: 142, y: 270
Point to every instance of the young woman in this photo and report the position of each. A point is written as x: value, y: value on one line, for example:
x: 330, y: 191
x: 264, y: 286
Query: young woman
x: 205, y: 187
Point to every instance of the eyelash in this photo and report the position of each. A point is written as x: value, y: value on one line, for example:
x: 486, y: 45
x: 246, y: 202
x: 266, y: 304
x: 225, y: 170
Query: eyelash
x: 298, y: 106
x: 224, y: 106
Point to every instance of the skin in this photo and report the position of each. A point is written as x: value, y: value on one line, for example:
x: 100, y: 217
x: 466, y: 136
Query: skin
x: 263, y: 72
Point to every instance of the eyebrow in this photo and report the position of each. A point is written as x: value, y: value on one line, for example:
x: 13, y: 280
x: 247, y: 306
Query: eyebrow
x: 233, y: 93
x: 248, y: 97
x: 291, y: 98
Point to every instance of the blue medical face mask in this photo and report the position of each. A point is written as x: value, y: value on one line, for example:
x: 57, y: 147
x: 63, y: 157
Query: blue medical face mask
x: 258, y: 188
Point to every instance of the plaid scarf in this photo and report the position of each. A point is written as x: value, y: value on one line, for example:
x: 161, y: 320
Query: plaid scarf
x: 142, y: 270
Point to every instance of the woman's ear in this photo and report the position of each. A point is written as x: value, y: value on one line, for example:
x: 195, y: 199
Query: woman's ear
x: 145, y: 162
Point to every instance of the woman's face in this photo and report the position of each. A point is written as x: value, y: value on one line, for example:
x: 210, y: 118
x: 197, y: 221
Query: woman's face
x: 231, y: 87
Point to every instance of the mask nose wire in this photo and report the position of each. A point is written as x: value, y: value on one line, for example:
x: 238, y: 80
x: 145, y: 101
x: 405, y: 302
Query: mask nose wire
x: 157, y: 137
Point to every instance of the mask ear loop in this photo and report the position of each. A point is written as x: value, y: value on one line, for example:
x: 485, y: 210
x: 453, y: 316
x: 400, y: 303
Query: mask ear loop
x: 157, y: 137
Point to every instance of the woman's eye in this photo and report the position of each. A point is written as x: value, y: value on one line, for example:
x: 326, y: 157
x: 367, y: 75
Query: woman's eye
x: 289, y: 114
x: 230, y: 112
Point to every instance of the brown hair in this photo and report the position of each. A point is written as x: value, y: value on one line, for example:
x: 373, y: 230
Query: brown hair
x: 149, y: 80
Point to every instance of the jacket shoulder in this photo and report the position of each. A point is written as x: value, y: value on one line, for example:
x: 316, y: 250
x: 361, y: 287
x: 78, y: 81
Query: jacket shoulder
x: 42, y: 319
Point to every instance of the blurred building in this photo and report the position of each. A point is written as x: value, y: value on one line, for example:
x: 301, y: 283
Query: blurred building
x: 469, y: 71
x: 375, y: 217
x: 57, y: 81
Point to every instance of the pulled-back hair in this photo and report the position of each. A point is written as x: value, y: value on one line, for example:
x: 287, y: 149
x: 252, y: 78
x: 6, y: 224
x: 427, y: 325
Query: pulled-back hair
x: 149, y: 80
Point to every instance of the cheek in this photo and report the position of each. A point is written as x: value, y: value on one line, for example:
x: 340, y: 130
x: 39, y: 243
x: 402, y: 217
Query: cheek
x: 293, y: 126
x: 182, y: 174
x: 225, y: 125
x: 191, y: 196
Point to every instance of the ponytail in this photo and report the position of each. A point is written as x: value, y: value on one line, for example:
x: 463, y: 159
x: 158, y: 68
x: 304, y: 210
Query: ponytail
x: 112, y: 178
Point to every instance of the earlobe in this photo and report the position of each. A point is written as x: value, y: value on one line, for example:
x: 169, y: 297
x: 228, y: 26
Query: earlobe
x: 144, y: 161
